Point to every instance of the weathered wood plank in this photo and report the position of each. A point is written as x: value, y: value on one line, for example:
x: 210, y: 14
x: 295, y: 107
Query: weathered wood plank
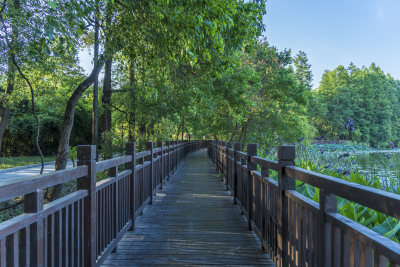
x: 192, y: 222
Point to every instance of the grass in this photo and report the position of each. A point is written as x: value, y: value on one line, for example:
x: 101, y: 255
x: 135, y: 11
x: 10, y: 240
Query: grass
x: 11, y: 162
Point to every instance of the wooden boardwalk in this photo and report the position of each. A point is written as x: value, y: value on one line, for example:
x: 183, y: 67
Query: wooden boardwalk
x: 192, y: 222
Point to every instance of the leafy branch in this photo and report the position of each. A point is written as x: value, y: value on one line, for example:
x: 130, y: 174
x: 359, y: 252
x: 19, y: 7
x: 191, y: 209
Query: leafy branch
x: 32, y: 95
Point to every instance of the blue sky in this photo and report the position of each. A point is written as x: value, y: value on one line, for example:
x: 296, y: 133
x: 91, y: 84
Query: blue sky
x: 337, y: 32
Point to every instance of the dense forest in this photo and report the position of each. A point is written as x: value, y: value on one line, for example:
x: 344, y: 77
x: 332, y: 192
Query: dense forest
x: 169, y: 70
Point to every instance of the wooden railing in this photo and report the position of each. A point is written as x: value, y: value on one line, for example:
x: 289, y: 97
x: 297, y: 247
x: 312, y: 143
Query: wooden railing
x: 295, y: 230
x: 83, y: 227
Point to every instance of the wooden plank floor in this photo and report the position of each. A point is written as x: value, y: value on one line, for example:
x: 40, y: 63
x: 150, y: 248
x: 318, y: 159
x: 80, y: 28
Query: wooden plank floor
x: 192, y: 222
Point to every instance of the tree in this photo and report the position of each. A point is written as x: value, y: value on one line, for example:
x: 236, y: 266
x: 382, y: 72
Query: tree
x: 366, y: 95
x: 182, y: 36
x: 95, y: 115
x: 303, y: 70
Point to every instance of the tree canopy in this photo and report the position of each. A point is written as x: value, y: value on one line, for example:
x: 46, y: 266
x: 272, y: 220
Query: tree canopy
x: 173, y: 69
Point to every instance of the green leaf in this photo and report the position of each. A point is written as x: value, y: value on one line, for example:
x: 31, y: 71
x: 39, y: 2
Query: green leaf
x: 370, y: 220
x: 388, y: 228
x: 348, y: 211
x: 52, y: 4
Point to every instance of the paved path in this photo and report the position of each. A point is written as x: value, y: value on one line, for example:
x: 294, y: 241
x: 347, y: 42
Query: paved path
x: 192, y: 222
x: 13, y: 174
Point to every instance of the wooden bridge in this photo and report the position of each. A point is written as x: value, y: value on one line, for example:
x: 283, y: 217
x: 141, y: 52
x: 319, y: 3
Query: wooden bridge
x: 168, y: 206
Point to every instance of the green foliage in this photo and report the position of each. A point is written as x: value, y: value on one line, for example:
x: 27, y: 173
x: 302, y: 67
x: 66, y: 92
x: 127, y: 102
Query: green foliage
x: 372, y: 219
x: 367, y: 95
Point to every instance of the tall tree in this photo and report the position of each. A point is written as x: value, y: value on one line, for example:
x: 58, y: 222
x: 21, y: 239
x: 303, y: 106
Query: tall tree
x: 13, y: 11
x: 303, y: 70
x: 95, y: 114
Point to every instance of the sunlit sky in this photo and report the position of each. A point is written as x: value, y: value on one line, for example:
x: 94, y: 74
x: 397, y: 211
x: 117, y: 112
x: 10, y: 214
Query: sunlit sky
x: 332, y: 33
x: 337, y: 32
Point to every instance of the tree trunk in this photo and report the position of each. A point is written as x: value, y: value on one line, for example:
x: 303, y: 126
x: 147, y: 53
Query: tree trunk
x: 243, y: 132
x: 183, y: 126
x: 234, y: 133
x: 132, y: 115
x: 95, y: 112
x: 106, y: 99
x: 179, y: 129
x: 4, y: 107
x: 63, y: 146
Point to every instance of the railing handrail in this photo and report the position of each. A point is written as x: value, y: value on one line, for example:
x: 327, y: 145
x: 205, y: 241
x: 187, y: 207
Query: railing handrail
x: 14, y: 188
x: 275, y: 209
x: 113, y: 203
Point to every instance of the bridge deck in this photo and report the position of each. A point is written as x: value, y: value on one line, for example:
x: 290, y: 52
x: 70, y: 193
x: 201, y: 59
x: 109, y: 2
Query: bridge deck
x: 192, y: 222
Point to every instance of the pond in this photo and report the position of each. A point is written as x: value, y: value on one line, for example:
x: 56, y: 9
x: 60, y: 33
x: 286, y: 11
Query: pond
x: 384, y: 164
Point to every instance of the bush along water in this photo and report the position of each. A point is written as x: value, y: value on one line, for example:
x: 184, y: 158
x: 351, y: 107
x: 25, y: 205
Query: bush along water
x: 338, y: 161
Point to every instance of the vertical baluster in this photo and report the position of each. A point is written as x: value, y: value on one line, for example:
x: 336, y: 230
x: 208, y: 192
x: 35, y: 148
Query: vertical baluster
x: 327, y: 203
x: 168, y: 144
x: 112, y: 172
x: 141, y: 187
x: 149, y: 146
x: 3, y: 252
x: 51, y: 233
x: 34, y: 204
x: 336, y: 246
x: 264, y: 174
x: 236, y: 148
x: 161, y: 164
x: 241, y: 188
x: 71, y: 240
x: 108, y: 214
x: 251, y: 151
x: 12, y: 250
x: 228, y: 145
x: 346, y: 249
x: 64, y: 243
x: 286, y: 156
x: 176, y: 155
x: 23, y: 246
x: 87, y: 156
x: 130, y: 149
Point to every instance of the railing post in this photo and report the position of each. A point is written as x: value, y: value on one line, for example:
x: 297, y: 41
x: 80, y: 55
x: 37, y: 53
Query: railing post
x: 87, y: 156
x: 169, y: 159
x: 160, y: 145
x: 149, y: 146
x: 286, y: 155
x: 222, y: 159
x: 34, y: 204
x: 175, y: 155
x: 180, y: 151
x: 130, y: 149
x: 217, y: 155
x: 264, y: 174
x: 327, y: 203
x: 251, y: 151
x: 227, y: 147
x: 235, y: 179
x: 142, y: 189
